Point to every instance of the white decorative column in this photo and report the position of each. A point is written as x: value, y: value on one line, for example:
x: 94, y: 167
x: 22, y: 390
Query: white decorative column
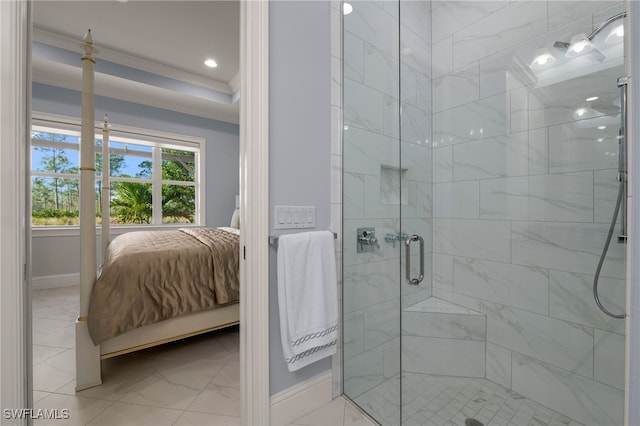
x: 106, y: 188
x: 15, y: 111
x: 254, y: 186
x: 87, y: 354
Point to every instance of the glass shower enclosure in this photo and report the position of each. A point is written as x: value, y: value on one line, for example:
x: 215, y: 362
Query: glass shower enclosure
x: 481, y: 173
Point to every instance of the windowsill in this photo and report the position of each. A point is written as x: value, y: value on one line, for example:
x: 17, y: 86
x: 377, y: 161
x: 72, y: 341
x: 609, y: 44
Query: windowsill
x: 74, y: 231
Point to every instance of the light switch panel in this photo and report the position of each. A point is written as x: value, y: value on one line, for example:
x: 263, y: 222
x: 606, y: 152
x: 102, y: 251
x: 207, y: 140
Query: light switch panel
x: 294, y: 217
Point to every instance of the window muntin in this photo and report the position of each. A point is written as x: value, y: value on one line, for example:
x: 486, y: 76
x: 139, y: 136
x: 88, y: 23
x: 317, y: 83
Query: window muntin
x: 153, y: 180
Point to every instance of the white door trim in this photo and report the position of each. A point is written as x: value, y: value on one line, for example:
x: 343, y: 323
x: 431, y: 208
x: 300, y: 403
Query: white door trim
x: 15, y: 360
x: 254, y: 221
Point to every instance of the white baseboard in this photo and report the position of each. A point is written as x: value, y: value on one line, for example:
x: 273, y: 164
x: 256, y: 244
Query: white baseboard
x: 55, y: 281
x: 298, y: 400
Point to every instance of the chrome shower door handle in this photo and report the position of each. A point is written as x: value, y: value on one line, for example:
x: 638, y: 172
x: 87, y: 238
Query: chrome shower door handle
x: 407, y: 260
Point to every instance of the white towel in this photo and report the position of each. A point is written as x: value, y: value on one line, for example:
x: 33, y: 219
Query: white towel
x: 307, y: 297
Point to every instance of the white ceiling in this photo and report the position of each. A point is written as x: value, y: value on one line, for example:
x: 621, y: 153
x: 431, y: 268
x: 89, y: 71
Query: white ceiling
x: 169, y: 38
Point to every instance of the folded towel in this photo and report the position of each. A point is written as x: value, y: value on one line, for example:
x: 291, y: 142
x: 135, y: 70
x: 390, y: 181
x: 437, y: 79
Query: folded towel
x: 307, y: 297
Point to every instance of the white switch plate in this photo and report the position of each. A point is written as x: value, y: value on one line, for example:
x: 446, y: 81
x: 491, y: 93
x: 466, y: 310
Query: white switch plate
x: 294, y: 217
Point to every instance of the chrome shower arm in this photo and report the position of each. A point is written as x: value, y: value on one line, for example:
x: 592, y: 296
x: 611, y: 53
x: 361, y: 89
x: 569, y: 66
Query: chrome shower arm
x: 605, y: 24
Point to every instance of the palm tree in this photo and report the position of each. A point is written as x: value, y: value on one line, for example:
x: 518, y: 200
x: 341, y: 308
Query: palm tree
x: 132, y: 202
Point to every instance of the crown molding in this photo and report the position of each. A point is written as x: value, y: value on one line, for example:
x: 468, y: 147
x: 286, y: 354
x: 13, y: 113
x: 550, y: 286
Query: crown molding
x: 69, y: 43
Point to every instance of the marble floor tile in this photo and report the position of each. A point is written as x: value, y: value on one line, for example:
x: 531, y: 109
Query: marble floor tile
x: 80, y: 410
x: 191, y: 418
x: 329, y: 414
x: 43, y: 353
x: 218, y: 400
x: 128, y: 414
x: 55, y: 372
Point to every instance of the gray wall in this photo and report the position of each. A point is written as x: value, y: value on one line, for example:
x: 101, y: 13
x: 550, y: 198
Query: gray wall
x: 299, y: 139
x: 221, y: 162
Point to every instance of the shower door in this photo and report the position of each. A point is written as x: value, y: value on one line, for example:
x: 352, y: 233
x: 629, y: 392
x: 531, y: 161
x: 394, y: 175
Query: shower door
x: 481, y: 146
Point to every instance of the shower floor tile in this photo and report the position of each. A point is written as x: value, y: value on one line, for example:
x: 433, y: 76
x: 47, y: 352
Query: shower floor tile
x: 430, y: 400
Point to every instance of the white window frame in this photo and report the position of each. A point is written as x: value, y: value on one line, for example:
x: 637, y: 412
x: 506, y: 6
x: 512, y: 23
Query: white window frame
x: 139, y: 136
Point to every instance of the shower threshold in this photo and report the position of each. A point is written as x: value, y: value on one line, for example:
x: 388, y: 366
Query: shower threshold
x: 432, y: 400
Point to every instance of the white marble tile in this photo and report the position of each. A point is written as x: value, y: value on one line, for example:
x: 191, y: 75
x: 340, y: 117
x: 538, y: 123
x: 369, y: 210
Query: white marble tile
x: 367, y: 19
x: 565, y: 12
x: 585, y: 400
x: 173, y: 384
x: 414, y: 15
x: 538, y: 151
x: 609, y: 355
x: 564, y: 344
x: 409, y: 85
x: 519, y: 107
x: 451, y: 17
x: 363, y: 372
x: 365, y: 151
x: 331, y: 413
x: 456, y: 88
x: 369, y: 284
x: 451, y: 357
x: 61, y: 338
x: 218, y: 400
x: 581, y: 146
x: 496, y: 75
x: 472, y: 303
x: 416, y: 160
x: 336, y: 81
x: 457, y: 200
x: 566, y: 197
x: 381, y: 71
x: 353, y: 57
x: 571, y: 299
x: 573, y: 247
x: 393, y: 188
x: 42, y: 353
x: 499, y: 365
x: 55, y: 372
x: 191, y: 418
x: 504, y: 198
x: 362, y: 106
x: 443, y: 164
x: 414, y: 51
x: 80, y: 410
x: 444, y: 325
x: 129, y: 414
x: 353, y: 417
x: 512, y: 285
x: 605, y: 194
x: 485, y: 118
x: 441, y: 306
x: 353, y: 333
x: 442, y: 57
x: 350, y: 234
x: 353, y: 197
x: 336, y: 179
x: 229, y: 375
x: 482, y: 239
x: 423, y: 82
x: 501, y: 156
x: 336, y: 130
x: 391, y: 116
x: 505, y: 28
x: 443, y: 271
x: 391, y: 358
x: 381, y: 323
x: 415, y: 125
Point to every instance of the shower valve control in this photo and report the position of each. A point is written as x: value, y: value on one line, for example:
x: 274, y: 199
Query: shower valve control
x: 366, y: 240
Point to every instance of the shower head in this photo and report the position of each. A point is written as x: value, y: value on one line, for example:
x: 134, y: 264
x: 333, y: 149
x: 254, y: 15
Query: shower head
x: 582, y: 43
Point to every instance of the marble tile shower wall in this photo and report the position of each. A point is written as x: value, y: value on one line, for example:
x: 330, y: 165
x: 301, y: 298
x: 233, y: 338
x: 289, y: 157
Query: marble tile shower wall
x: 379, y: 183
x: 522, y: 197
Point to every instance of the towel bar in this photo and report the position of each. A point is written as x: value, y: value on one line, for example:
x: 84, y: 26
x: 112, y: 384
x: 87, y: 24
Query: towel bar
x: 273, y: 239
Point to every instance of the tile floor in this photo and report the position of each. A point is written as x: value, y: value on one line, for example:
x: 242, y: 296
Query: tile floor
x: 448, y: 401
x: 192, y: 382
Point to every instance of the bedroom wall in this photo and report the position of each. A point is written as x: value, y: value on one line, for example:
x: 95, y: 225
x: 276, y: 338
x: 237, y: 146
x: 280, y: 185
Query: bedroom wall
x: 299, y: 140
x: 59, y: 254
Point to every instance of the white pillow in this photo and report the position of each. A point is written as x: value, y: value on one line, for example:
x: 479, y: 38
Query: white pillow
x: 235, y: 219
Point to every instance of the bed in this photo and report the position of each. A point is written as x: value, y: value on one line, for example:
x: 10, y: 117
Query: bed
x: 155, y: 286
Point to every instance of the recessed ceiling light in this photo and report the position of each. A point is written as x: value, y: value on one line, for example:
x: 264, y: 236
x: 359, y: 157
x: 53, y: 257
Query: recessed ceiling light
x: 211, y: 63
x: 347, y: 8
x: 602, y: 127
x: 592, y: 98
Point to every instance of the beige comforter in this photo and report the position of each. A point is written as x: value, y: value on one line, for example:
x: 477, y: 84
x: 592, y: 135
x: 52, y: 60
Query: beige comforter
x: 151, y: 276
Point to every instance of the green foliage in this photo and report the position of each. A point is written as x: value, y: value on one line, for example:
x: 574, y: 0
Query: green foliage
x: 132, y: 202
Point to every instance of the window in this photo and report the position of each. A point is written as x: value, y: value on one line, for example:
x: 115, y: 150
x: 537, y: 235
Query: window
x: 155, y: 178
